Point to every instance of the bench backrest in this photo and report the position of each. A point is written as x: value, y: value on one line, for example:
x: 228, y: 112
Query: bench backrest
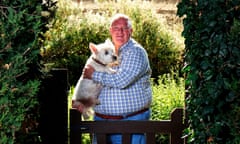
x: 173, y: 127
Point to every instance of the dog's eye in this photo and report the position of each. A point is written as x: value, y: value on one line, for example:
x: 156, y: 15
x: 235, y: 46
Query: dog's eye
x: 106, y: 52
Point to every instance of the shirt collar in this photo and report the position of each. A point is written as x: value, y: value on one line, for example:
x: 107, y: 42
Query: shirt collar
x: 125, y: 45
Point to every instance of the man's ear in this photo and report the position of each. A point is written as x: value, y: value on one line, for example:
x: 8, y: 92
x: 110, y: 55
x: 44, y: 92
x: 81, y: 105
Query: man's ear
x: 93, y: 48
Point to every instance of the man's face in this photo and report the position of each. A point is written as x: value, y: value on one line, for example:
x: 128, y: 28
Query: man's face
x: 120, y: 32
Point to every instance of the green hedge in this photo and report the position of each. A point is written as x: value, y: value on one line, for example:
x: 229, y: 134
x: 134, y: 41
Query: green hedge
x: 211, y: 30
x: 167, y: 94
x: 20, y: 26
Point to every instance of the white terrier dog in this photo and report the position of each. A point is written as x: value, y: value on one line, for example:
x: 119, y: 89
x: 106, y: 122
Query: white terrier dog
x: 102, y: 58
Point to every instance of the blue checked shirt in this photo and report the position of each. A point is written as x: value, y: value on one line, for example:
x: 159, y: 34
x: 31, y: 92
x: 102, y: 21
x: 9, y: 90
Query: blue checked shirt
x: 129, y: 89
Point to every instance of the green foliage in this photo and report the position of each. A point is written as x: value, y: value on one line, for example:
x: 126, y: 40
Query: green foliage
x: 74, y: 27
x: 164, y: 53
x: 167, y: 95
x: 211, y: 30
x: 20, y: 26
x: 68, y: 44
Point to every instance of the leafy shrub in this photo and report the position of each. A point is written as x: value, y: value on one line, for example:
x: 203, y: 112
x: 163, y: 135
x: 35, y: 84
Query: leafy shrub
x: 20, y: 28
x: 211, y: 30
x: 68, y: 45
x: 168, y: 94
x: 74, y: 27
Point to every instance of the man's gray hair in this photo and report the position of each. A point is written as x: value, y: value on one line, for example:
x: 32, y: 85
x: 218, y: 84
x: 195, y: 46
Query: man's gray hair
x: 121, y: 16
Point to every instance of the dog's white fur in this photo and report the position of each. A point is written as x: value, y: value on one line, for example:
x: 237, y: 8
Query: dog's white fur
x: 86, y: 88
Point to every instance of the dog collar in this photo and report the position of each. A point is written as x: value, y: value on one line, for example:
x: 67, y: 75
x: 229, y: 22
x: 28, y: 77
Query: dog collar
x: 97, y: 61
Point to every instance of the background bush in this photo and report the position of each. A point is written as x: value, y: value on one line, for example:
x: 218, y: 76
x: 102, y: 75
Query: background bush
x: 168, y: 94
x: 21, y: 23
x: 211, y: 30
x: 74, y: 27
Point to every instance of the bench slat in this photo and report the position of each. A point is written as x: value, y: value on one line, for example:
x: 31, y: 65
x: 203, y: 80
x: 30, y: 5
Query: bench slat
x: 101, y: 138
x: 126, y: 138
x: 150, y: 138
x: 173, y: 127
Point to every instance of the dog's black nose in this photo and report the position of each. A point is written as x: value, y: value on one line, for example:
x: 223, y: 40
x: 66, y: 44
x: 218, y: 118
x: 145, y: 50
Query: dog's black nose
x: 114, y: 57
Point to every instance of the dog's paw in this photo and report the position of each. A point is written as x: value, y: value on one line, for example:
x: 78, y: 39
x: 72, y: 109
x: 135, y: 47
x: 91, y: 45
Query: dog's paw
x: 113, y: 64
x: 111, y: 71
x: 78, y: 105
x: 75, y: 103
x: 88, y: 112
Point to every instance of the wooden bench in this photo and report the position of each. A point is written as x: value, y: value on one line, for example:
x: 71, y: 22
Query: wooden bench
x: 173, y: 127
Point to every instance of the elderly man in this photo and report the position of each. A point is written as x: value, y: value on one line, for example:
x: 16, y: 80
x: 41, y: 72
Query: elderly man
x: 126, y: 94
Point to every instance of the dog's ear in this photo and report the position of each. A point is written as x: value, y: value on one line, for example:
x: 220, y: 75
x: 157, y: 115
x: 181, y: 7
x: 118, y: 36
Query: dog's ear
x: 93, y: 48
x: 108, y: 41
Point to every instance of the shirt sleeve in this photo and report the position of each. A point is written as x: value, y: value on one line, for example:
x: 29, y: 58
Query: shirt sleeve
x: 133, y: 65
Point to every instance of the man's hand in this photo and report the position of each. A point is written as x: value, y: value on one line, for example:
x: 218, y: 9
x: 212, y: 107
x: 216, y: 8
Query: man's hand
x: 88, y: 72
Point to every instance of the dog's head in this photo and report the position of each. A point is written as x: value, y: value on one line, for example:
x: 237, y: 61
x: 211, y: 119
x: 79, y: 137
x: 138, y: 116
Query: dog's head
x: 104, y: 52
